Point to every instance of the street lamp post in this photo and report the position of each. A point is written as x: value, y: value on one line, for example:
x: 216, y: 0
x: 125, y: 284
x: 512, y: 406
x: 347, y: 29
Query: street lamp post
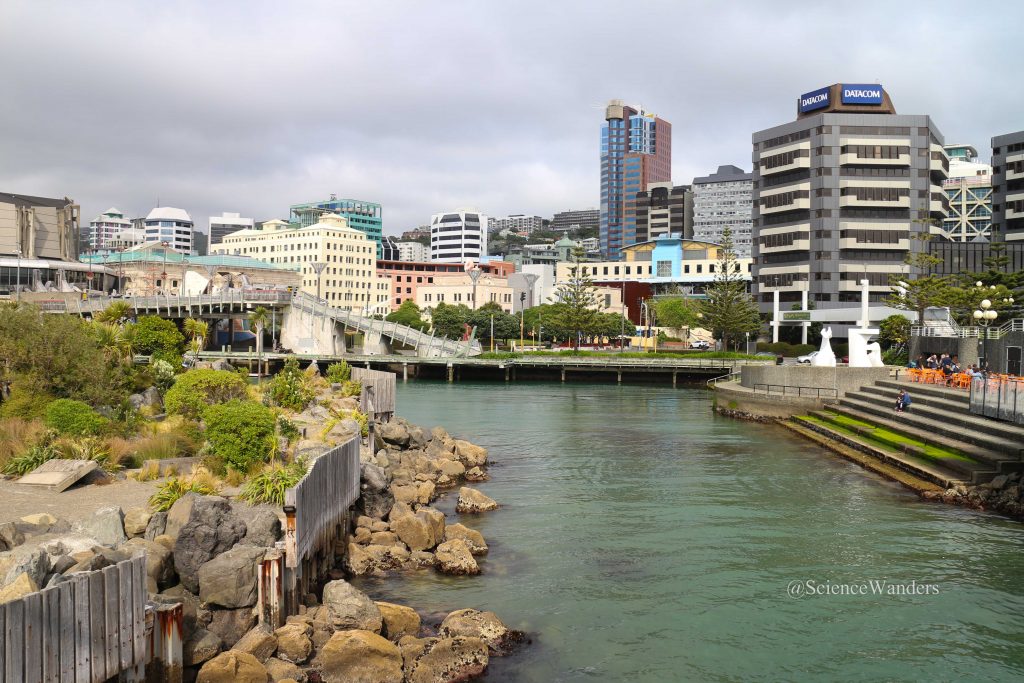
x: 474, y: 275
x: 163, y: 275
x: 985, y: 315
x: 17, y: 286
x: 522, y: 320
x: 318, y: 268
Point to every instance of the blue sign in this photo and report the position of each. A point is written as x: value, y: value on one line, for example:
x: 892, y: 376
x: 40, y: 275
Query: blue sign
x: 860, y: 93
x: 816, y: 99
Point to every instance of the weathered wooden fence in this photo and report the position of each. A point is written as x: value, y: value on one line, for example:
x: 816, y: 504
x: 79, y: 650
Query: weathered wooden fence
x: 378, y: 392
x: 316, y: 511
x: 89, y: 629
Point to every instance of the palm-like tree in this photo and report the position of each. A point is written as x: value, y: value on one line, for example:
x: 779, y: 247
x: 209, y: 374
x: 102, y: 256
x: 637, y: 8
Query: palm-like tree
x: 258, y: 319
x: 196, y: 331
x: 116, y: 313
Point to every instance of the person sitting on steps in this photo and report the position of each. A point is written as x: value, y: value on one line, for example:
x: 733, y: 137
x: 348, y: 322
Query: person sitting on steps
x: 902, y: 401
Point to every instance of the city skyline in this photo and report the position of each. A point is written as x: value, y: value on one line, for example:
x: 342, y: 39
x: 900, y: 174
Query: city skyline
x: 224, y: 125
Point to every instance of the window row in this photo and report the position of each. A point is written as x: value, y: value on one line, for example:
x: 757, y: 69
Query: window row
x: 783, y: 198
x: 875, y: 236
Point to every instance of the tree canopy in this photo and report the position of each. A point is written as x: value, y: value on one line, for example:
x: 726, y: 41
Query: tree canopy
x: 408, y: 314
x: 729, y: 312
x: 581, y: 309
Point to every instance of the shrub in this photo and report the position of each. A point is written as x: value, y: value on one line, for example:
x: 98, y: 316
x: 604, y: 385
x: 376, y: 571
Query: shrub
x: 291, y: 388
x: 352, y: 389
x: 272, y: 481
x: 35, y: 456
x: 240, y: 432
x: 73, y: 418
x: 195, y: 390
x: 287, y: 429
x: 168, y: 493
x: 25, y: 402
x: 338, y: 373
x: 163, y: 374
x: 149, y: 471
x: 787, y: 349
x: 152, y: 334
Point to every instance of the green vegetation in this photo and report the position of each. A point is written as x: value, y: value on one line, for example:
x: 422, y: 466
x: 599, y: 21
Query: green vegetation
x: 287, y: 429
x: 163, y: 374
x: 195, y: 390
x: 888, y: 439
x: 168, y: 493
x: 73, y: 418
x: 159, y: 338
x: 786, y: 349
x: 241, y: 433
x: 729, y: 312
x: 269, y: 485
x: 578, y: 294
x: 291, y: 388
x: 35, y: 456
x: 408, y: 314
x: 339, y: 372
x: 677, y: 312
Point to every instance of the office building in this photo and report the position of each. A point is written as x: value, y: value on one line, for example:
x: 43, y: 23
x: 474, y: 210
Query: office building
x: 39, y: 244
x: 582, y: 219
x: 975, y: 257
x: 516, y: 223
x: 663, y: 209
x: 455, y: 289
x: 103, y: 228
x: 126, y: 239
x: 173, y: 226
x: 389, y: 250
x: 840, y: 194
x: 1008, y: 187
x: 358, y: 214
x: 724, y: 199
x: 969, y: 191
x: 636, y: 150
x: 458, y: 236
x: 227, y: 223
x: 413, y: 251
x: 405, y: 277
x: 345, y: 257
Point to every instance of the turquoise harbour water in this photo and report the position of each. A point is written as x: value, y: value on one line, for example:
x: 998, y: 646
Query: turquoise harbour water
x: 643, y: 538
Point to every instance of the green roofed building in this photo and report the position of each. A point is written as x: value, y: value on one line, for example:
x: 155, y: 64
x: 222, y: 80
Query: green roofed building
x: 361, y: 215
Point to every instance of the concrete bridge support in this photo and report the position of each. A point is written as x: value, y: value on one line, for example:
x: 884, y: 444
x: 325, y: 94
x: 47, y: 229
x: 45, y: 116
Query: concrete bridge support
x: 305, y: 332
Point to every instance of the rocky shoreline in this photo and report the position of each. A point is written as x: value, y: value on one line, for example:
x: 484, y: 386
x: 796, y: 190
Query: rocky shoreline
x: 1004, y: 495
x: 205, y: 553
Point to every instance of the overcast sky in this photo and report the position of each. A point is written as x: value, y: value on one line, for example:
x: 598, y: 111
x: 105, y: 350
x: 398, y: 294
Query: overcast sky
x: 429, y: 106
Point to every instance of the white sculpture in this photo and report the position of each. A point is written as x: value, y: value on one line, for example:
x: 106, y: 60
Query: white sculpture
x: 825, y: 358
x: 875, y: 355
x: 859, y: 357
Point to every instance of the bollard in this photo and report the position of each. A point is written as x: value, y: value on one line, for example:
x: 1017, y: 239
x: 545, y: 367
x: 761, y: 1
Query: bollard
x: 270, y: 590
x: 166, y: 662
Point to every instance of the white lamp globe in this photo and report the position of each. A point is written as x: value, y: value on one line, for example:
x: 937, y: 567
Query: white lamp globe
x: 986, y: 304
x: 990, y: 315
x: 978, y: 315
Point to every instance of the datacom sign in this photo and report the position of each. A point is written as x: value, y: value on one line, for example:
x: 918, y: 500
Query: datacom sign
x: 861, y: 93
x: 816, y: 99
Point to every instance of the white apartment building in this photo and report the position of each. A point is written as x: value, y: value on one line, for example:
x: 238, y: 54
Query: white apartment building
x: 413, y: 251
x: 724, y: 199
x: 459, y: 289
x: 225, y: 224
x: 346, y: 257
x: 128, y: 238
x: 173, y: 226
x: 104, y: 227
x: 458, y: 236
x: 516, y: 223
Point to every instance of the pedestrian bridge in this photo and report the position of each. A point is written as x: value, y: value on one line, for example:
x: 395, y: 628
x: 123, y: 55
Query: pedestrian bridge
x: 309, y: 325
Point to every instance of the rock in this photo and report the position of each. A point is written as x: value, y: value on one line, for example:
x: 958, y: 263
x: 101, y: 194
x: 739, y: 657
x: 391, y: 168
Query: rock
x: 19, y: 588
x: 453, y: 557
x: 444, y: 481
x: 10, y: 536
x: 189, y: 606
x: 373, y: 478
x: 262, y: 525
x: 281, y: 671
x: 159, y: 560
x: 293, y: 642
x: 230, y: 624
x: 31, y: 560
x: 440, y: 435
x: 439, y: 660
x: 998, y: 482
x: 349, y: 608
x: 375, y: 503
x: 360, y: 657
x: 422, y: 559
x: 379, y: 524
x: 229, y: 580
x: 415, y: 531
x: 179, y: 514
x: 471, y: 500
x: 361, y: 535
x: 452, y: 468
x: 399, y: 620
x: 374, y: 559
x: 394, y: 432
x: 363, y: 520
x: 469, y: 454
x: 384, y: 538
x: 211, y: 529
x: 258, y: 643
x: 400, y: 476
x: 200, y: 647
x: 484, y: 625
x: 435, y: 518
x: 476, y: 474
x: 156, y: 527
x: 136, y: 521
x: 311, y: 450
x: 418, y: 437
x: 473, y: 538
x: 61, y: 564
x: 40, y: 519
x: 106, y: 525
x: 150, y: 399
x: 406, y: 493
x: 232, y: 667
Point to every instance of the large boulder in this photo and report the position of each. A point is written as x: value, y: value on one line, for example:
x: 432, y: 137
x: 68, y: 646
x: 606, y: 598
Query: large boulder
x: 156, y: 526
x: 453, y: 468
x: 435, y: 518
x: 159, y: 560
x: 394, y: 433
x: 360, y: 656
x: 421, y: 492
x: 106, y: 525
x: 373, y: 477
x: 136, y: 521
x: 473, y: 538
x: 281, y: 671
x: 399, y: 621
x: 19, y: 588
x: 10, y: 536
x: 294, y: 642
x: 259, y: 643
x: 40, y: 519
x: 350, y: 608
x: 149, y: 399
x: 483, y: 625
x: 374, y: 559
x: 231, y: 624
x: 179, y: 514
x: 440, y: 660
x: 232, y: 667
x: 31, y: 560
x: 418, y: 437
x: 453, y: 557
x: 211, y: 529
x: 415, y: 531
x: 471, y: 500
x: 262, y: 525
x: 200, y: 647
x: 229, y: 580
x: 469, y: 454
x: 375, y: 504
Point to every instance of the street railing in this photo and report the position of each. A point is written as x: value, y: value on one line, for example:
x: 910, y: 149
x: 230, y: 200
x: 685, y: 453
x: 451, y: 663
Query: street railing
x: 798, y: 391
x: 1002, y: 399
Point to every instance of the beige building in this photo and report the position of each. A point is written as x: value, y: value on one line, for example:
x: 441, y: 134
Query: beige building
x: 458, y: 289
x: 346, y: 257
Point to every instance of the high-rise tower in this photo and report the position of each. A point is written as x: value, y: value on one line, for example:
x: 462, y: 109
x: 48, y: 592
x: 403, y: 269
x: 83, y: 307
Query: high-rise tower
x: 636, y: 150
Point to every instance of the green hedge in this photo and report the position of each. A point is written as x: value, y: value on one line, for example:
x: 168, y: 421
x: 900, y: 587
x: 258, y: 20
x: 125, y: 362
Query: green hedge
x: 241, y: 433
x: 786, y: 349
x: 195, y: 390
x: 73, y: 418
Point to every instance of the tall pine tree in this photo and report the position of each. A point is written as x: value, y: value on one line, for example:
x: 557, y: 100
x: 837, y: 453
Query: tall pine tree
x: 581, y: 311
x: 729, y: 312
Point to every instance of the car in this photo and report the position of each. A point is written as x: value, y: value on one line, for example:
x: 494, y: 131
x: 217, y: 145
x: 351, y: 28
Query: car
x: 806, y: 360
x: 700, y: 344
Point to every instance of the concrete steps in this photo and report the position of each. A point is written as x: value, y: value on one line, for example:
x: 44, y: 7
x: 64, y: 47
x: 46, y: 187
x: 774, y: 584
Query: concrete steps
x: 975, y: 471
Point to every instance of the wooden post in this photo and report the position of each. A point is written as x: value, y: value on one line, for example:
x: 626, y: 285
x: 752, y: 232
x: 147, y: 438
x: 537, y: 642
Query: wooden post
x: 451, y: 373
x: 270, y: 590
x: 167, y: 663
